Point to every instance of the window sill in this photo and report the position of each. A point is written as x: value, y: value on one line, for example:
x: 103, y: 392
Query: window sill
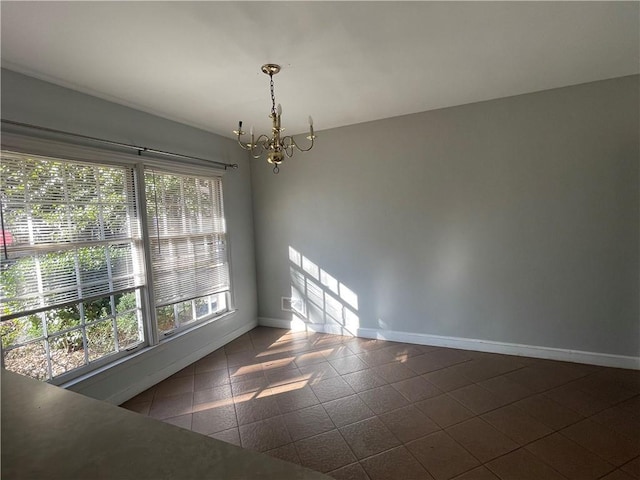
x: 164, y: 338
x: 112, y: 368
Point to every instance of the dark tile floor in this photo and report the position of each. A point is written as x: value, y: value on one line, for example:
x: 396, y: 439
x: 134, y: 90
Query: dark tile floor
x: 369, y: 409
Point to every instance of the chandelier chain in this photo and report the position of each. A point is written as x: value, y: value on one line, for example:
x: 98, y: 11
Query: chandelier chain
x: 273, y: 96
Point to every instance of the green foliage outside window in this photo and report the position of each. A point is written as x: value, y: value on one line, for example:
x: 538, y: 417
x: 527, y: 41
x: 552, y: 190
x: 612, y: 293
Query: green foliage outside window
x: 55, y: 210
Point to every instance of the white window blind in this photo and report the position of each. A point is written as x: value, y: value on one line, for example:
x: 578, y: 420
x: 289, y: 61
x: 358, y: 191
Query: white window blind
x: 72, y: 227
x: 187, y: 235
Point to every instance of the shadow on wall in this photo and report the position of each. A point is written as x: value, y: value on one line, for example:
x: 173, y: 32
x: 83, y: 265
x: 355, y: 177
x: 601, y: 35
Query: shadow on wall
x: 319, y: 301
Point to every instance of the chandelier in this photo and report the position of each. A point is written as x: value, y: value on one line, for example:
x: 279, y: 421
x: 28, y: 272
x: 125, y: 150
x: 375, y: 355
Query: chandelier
x: 276, y: 146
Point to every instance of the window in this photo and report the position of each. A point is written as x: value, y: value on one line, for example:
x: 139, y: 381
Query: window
x: 188, y: 248
x: 74, y: 249
x: 71, y: 276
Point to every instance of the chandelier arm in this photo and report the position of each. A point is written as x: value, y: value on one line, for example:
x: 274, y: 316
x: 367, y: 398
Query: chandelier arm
x: 254, y: 151
x: 310, y: 137
x: 288, y: 150
x: 260, y: 145
x: 288, y: 143
x: 242, y: 145
x: 262, y: 140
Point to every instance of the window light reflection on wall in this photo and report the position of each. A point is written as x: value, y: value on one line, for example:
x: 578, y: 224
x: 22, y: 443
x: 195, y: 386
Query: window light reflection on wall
x: 323, y: 302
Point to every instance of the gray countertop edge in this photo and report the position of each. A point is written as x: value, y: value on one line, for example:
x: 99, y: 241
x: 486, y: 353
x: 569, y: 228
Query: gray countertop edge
x: 49, y: 432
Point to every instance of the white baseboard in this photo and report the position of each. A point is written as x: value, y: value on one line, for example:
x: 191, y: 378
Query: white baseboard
x: 274, y: 322
x: 298, y: 325
x: 534, y: 351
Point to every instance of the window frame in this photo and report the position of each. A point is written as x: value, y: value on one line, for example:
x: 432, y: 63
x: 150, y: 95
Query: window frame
x: 65, y: 151
x: 161, y: 167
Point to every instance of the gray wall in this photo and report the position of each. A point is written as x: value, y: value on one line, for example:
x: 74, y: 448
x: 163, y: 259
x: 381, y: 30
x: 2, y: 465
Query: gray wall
x: 28, y: 100
x: 514, y: 220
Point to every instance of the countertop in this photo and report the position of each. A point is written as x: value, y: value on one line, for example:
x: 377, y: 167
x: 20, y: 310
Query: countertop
x: 49, y: 432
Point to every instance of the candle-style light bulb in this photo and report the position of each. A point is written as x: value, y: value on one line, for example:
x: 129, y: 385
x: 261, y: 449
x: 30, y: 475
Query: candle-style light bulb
x: 251, y: 130
x: 310, y: 121
x: 279, y: 109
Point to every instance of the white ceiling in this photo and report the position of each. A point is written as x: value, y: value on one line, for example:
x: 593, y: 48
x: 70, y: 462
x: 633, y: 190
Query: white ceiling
x: 343, y: 62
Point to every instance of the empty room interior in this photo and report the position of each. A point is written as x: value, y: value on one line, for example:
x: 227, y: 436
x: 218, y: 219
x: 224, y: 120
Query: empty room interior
x: 307, y: 240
